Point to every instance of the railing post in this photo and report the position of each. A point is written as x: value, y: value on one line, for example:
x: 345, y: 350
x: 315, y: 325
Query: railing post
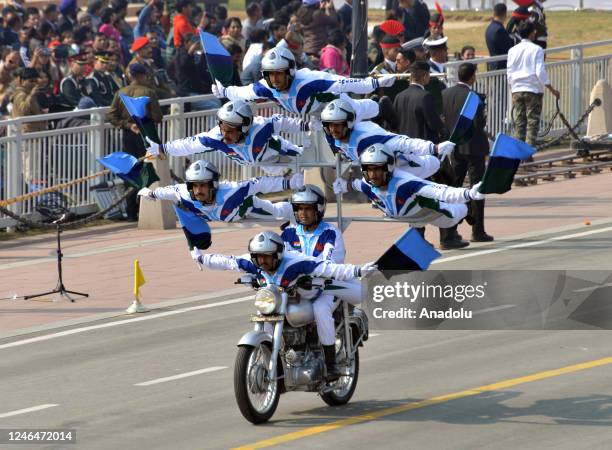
x: 451, y: 74
x: 96, y: 142
x: 14, y: 175
x: 176, y: 130
x: 576, y: 85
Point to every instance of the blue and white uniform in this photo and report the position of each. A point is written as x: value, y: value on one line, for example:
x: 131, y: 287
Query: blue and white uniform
x: 293, y: 266
x: 416, y: 156
x: 309, y: 90
x: 324, y: 242
x: 261, y: 144
x: 233, y: 200
x: 422, y: 202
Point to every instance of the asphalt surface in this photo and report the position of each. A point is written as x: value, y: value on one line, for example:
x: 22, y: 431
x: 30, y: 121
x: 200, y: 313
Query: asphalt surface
x: 417, y: 389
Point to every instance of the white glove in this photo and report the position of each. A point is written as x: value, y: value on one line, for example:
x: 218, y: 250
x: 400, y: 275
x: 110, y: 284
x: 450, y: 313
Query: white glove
x: 146, y: 194
x: 296, y: 181
x: 315, y: 124
x: 196, y: 255
x: 386, y: 80
x: 218, y: 90
x: 474, y: 194
x: 340, y: 186
x: 367, y: 269
x: 445, y: 149
x: 154, y: 148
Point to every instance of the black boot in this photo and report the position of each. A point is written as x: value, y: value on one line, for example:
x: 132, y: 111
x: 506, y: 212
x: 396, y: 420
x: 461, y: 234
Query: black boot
x: 333, y: 372
x: 478, y: 231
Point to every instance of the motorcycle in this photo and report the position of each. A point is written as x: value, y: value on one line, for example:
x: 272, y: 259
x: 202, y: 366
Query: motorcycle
x: 283, y: 353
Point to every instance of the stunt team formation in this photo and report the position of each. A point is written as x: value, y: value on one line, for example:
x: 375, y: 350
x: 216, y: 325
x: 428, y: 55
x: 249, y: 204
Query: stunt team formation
x: 394, y: 171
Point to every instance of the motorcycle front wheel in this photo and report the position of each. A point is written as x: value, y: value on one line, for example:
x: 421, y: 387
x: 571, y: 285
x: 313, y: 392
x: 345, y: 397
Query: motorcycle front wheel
x: 257, y: 397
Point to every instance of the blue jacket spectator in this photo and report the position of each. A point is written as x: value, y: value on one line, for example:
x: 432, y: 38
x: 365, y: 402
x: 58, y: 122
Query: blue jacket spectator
x: 497, y: 37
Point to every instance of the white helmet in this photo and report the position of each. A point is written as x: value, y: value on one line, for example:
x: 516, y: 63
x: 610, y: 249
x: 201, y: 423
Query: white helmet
x: 339, y: 111
x: 201, y: 172
x: 267, y: 243
x: 278, y: 59
x: 237, y: 113
x: 377, y: 155
x: 311, y: 195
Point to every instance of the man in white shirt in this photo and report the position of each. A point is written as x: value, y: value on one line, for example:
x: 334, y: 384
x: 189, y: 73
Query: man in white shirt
x: 527, y: 78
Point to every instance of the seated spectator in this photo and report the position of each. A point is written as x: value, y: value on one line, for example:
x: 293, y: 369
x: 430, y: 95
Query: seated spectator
x: 143, y: 54
x: 375, y: 54
x: 237, y: 55
x: 10, y: 33
x: 32, y: 18
x: 44, y: 96
x: 158, y: 57
x: 117, y: 72
x: 253, y: 21
x: 24, y: 103
x: 277, y: 32
x: 72, y: 85
x: 100, y: 42
x: 109, y: 19
x: 318, y: 19
x: 25, y: 52
x: 98, y: 85
x: 436, y: 27
x: 332, y: 55
x: 50, y: 16
x: 84, y: 19
x: 181, y: 23
x: 8, y: 67
x: 125, y: 30
x: 85, y: 103
x: 256, y: 48
x: 468, y: 52
x: 149, y: 22
x: 95, y: 11
x: 193, y: 77
x: 68, y: 10
x: 295, y: 43
x: 251, y: 71
x: 233, y: 34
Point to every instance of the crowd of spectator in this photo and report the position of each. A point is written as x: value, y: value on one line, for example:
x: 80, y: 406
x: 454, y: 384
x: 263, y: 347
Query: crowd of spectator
x: 73, y: 53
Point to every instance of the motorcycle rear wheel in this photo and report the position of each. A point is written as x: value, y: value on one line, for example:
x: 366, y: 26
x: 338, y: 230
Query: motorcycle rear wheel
x: 346, y: 386
x: 257, y: 399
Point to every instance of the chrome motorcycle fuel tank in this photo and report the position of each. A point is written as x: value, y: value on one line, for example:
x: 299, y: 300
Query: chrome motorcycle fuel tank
x: 300, y: 313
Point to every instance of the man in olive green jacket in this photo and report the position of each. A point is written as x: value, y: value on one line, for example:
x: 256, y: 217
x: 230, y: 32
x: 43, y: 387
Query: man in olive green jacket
x: 132, y: 140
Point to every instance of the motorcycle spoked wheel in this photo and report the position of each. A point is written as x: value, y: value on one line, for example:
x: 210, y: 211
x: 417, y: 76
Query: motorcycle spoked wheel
x: 257, y: 399
x: 345, y: 386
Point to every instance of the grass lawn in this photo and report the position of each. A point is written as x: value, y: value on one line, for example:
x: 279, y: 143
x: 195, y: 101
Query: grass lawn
x: 462, y: 28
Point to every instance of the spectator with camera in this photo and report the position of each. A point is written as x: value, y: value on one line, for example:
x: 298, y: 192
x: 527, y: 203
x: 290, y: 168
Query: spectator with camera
x: 318, y: 19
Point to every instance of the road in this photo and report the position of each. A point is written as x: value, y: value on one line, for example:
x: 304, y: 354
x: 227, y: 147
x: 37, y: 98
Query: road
x: 164, y: 380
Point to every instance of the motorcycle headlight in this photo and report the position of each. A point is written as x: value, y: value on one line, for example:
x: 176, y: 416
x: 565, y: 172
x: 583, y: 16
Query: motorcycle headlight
x: 265, y: 301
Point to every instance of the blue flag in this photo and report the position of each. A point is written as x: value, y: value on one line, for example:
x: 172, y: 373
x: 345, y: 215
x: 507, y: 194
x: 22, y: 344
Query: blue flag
x: 506, y: 155
x: 136, y: 173
x: 194, y: 226
x: 462, y: 132
x: 136, y: 106
x: 218, y: 59
x: 410, y: 252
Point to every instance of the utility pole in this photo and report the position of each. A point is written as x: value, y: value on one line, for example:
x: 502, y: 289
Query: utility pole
x: 359, y: 60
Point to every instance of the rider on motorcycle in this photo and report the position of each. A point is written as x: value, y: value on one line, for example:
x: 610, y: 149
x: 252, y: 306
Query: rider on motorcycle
x: 271, y: 264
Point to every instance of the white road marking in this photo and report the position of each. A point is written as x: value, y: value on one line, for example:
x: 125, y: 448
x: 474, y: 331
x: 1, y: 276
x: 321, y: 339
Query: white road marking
x: 522, y: 245
x: 373, y: 334
x: 493, y: 308
x: 27, y: 410
x: 46, y: 337
x: 109, y: 249
x: 593, y: 288
x: 180, y: 376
